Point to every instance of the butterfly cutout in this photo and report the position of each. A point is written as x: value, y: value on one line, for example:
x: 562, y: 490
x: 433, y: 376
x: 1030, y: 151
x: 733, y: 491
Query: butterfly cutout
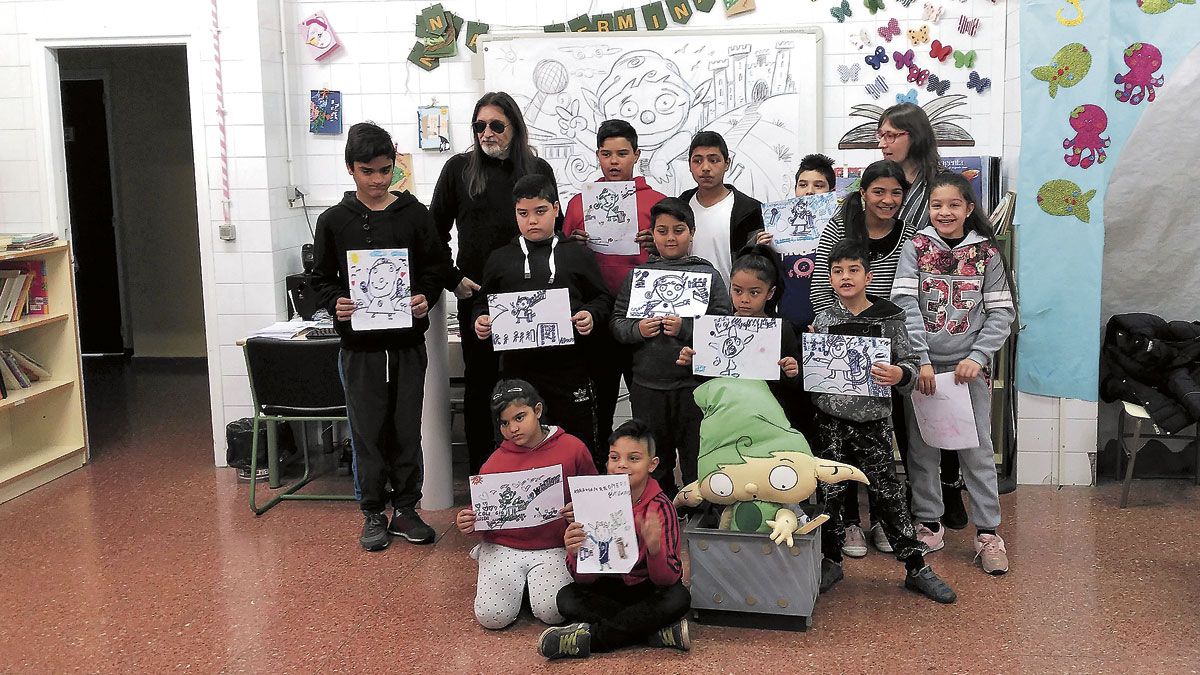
x: 849, y: 73
x: 968, y: 26
x: 904, y: 60
x: 979, y: 84
x: 940, y: 51
x: 840, y: 13
x: 906, y: 3
x: 932, y: 13
x: 964, y: 60
x: 938, y: 85
x: 919, y: 36
x: 877, y: 88
x: 917, y: 75
x: 891, y: 30
x: 873, y: 5
x: 910, y: 97
x: 878, y: 59
x: 862, y: 40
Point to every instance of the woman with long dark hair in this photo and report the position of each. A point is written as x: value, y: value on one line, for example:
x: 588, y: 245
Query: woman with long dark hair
x: 906, y: 137
x: 474, y: 193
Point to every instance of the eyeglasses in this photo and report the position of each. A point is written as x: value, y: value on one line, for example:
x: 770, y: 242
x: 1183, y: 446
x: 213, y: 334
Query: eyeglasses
x: 497, y: 126
x: 889, y: 136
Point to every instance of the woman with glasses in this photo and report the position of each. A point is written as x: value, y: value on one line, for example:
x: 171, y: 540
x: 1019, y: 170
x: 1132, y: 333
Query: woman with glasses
x: 474, y: 193
x: 906, y: 137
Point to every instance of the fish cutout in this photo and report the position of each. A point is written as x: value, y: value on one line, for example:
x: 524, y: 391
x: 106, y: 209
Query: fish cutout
x: 1160, y: 6
x: 1062, y: 197
x: 1067, y: 69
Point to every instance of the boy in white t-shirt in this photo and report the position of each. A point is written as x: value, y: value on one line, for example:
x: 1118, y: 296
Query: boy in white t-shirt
x: 725, y: 217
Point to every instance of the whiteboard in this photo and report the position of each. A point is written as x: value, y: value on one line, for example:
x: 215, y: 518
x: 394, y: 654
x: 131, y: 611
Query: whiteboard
x: 760, y: 89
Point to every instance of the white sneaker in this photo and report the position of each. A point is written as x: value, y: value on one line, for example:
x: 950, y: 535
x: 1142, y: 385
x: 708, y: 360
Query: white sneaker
x: 856, y: 542
x: 879, y: 539
x: 991, y: 554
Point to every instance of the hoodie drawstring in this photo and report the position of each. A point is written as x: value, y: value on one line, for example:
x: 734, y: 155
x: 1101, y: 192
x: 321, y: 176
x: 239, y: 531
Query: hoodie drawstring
x: 525, y: 251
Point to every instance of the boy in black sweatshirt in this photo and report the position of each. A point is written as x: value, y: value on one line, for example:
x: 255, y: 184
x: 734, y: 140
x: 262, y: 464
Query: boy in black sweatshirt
x: 540, y: 259
x: 383, y: 371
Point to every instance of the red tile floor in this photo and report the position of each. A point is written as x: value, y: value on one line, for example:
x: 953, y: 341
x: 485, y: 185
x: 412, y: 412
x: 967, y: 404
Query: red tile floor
x: 149, y: 560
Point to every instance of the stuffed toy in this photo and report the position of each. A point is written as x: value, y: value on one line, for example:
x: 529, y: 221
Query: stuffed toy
x: 754, y: 463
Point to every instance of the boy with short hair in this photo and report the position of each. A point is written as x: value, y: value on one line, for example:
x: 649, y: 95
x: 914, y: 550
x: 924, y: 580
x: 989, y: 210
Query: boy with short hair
x: 383, y: 371
x: 858, y: 429
x: 725, y: 217
x: 648, y: 605
x: 661, y: 390
x: 540, y: 259
x: 617, y: 153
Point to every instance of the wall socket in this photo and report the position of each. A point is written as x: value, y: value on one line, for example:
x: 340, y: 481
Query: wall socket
x: 227, y: 232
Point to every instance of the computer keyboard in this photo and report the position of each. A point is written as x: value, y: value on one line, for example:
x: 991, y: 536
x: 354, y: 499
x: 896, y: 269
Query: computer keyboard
x: 320, y: 333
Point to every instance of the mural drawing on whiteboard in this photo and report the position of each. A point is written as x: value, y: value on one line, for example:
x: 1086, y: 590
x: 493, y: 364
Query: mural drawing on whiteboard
x: 745, y: 92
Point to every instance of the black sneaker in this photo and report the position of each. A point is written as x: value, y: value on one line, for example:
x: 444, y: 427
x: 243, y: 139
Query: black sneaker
x: 261, y: 474
x: 375, y: 532
x: 926, y: 582
x: 831, y: 573
x: 406, y: 523
x: 674, y: 636
x: 955, y: 516
x: 573, y: 640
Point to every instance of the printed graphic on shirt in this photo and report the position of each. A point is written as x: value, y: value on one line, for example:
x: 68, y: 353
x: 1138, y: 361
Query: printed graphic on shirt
x: 949, y: 302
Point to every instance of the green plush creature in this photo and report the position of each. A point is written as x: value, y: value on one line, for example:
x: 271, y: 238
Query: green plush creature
x: 752, y: 461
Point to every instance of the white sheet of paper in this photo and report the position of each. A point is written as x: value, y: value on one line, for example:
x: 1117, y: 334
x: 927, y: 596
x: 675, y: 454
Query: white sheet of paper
x: 841, y: 364
x: 610, y: 217
x: 381, y: 289
x: 734, y: 346
x: 796, y: 224
x: 668, y: 293
x: 529, y: 319
x: 603, y: 505
x: 946, y: 419
x: 517, y: 499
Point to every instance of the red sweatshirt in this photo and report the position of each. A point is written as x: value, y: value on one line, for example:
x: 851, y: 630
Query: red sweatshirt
x: 614, y: 268
x: 558, y: 448
x: 663, y: 569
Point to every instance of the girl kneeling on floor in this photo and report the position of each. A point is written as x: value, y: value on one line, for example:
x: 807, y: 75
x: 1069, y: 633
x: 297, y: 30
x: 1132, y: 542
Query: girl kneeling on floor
x: 510, y: 560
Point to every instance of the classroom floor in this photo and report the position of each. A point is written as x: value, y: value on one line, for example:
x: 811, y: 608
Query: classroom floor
x: 149, y: 560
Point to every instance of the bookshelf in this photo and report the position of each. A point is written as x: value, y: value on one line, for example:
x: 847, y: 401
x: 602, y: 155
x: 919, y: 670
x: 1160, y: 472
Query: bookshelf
x: 42, y: 430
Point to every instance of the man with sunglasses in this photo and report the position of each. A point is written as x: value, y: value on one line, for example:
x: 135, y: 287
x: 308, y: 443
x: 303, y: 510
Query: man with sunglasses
x: 474, y: 194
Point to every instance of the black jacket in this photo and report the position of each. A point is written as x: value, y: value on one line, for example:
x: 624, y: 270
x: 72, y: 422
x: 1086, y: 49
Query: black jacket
x: 745, y: 218
x: 485, y: 223
x: 350, y: 226
x: 575, y: 270
x: 1153, y: 363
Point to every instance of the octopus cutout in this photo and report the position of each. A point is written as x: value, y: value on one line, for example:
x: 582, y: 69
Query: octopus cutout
x: 1087, y: 146
x: 1139, y: 83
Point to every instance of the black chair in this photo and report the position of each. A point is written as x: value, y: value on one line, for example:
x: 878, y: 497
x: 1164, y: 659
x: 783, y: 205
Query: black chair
x: 292, y: 381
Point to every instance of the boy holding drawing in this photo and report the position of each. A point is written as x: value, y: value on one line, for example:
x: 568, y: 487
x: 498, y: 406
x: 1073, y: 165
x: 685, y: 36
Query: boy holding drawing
x: 670, y: 285
x: 647, y: 605
x: 537, y: 261
x: 858, y: 429
x: 511, y: 559
x: 617, y: 153
x: 383, y: 371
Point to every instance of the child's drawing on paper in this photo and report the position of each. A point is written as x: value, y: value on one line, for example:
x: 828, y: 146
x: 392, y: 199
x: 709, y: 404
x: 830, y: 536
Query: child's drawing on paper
x: 433, y: 123
x: 667, y: 293
x: 796, y: 224
x: 380, y: 288
x: 517, y: 499
x: 603, y: 505
x: 841, y: 364
x: 610, y: 217
x: 528, y: 319
x: 732, y: 346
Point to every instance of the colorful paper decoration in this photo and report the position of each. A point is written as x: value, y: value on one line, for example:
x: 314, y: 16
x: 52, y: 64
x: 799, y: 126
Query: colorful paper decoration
x: 735, y: 7
x: 433, y: 128
x: 319, y: 36
x: 325, y: 112
x: 655, y: 16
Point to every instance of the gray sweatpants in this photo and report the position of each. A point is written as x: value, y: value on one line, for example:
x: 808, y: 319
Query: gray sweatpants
x: 978, y: 464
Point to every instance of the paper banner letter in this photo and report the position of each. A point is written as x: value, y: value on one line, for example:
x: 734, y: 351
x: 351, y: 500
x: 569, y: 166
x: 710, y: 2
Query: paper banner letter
x: 602, y: 23
x: 625, y: 19
x: 418, y: 57
x: 555, y: 28
x: 681, y: 11
x: 704, y: 5
x: 580, y: 24
x: 474, y: 30
x: 655, y: 16
x: 433, y: 20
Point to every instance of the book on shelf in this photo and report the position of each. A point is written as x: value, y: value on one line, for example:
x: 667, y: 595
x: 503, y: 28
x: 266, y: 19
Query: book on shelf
x: 983, y: 172
x: 18, y: 371
x: 24, y: 291
x: 24, y: 242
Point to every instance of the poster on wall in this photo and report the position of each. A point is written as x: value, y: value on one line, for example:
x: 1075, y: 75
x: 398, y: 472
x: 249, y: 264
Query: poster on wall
x: 325, y: 112
x: 319, y: 38
x: 402, y: 173
x: 433, y: 128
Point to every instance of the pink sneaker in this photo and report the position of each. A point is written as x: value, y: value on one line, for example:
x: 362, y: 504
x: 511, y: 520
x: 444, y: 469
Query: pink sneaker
x: 934, y: 541
x: 991, y: 554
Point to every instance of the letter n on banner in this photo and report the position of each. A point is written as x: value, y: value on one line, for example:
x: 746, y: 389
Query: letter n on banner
x: 655, y: 16
x: 681, y: 10
x: 626, y: 19
x: 602, y: 23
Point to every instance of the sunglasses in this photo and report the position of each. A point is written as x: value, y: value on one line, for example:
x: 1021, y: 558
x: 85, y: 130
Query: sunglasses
x: 497, y: 126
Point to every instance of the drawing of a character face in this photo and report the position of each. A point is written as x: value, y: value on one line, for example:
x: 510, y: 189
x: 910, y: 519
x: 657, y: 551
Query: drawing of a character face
x: 381, y: 280
x: 837, y: 347
x: 318, y: 34
x: 669, y: 288
x: 521, y: 305
x: 647, y: 91
x: 603, y: 532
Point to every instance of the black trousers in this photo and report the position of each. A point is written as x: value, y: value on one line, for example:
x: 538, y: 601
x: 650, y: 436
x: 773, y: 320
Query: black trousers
x: 570, y: 403
x: 674, y: 418
x: 610, y: 361
x: 384, y: 394
x: 867, y: 445
x: 950, y: 466
x: 623, y: 615
x: 481, y: 368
